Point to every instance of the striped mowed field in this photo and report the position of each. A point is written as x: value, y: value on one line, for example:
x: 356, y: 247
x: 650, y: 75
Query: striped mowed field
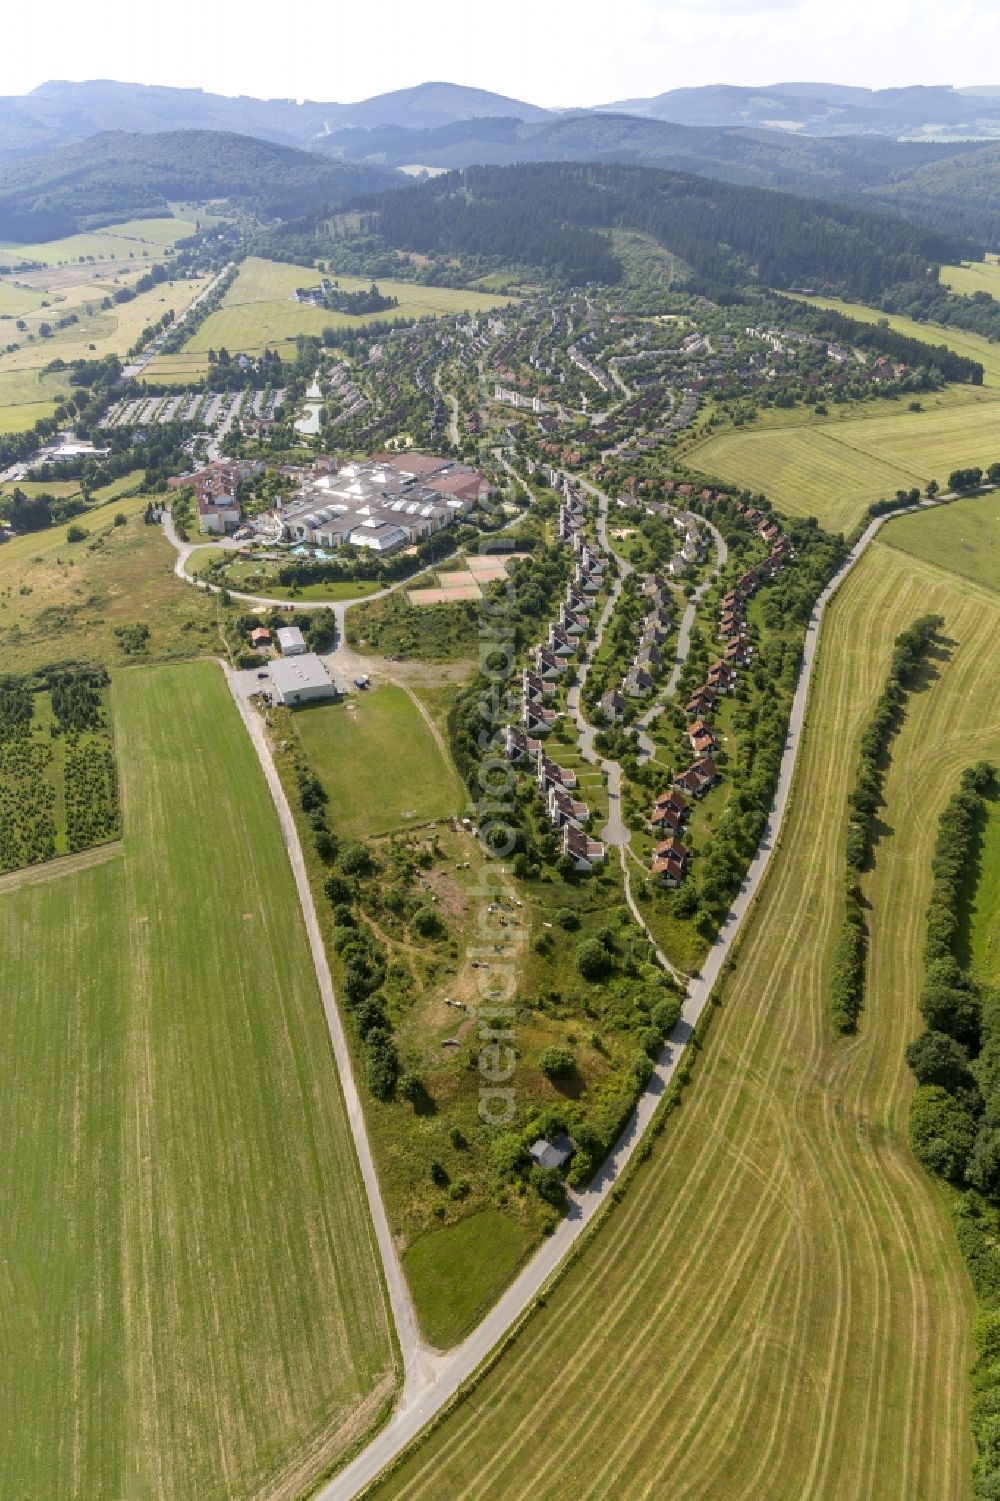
x: 190, y: 1289
x: 778, y: 1306
x: 834, y: 470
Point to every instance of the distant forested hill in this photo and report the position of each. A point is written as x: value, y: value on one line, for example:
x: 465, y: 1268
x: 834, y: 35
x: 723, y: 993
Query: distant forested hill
x: 118, y: 175
x: 952, y: 186
x: 549, y: 214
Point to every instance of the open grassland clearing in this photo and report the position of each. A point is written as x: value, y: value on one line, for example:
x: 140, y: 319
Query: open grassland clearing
x: 963, y: 537
x: 27, y: 395
x: 407, y: 779
x: 835, y: 469
x: 778, y: 1306
x: 192, y: 1299
x: 259, y: 310
x: 141, y: 238
x: 259, y: 577
x: 64, y: 600
x: 974, y: 276
x: 973, y: 346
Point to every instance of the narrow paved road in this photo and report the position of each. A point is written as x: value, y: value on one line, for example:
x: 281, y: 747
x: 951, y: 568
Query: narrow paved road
x: 419, y: 1363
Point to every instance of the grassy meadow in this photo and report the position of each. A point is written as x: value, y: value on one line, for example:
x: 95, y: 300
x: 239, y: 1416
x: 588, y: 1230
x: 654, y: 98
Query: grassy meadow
x: 778, y: 1306
x: 974, y: 276
x: 833, y: 468
x: 260, y: 310
x: 963, y: 538
x: 192, y: 1299
x: 142, y: 238
x: 62, y: 600
x: 407, y: 778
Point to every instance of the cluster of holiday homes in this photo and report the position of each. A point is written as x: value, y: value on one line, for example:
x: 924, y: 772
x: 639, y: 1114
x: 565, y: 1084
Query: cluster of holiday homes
x: 647, y: 661
x: 217, y: 493
x: 523, y: 742
x: 669, y: 812
x: 389, y: 502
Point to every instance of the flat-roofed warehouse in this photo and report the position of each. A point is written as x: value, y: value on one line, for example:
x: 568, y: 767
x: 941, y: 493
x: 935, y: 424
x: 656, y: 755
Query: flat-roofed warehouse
x: 301, y: 680
x: 385, y: 504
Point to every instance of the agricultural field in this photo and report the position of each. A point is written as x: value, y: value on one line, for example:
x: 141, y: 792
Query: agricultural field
x: 260, y: 310
x: 98, y: 331
x: 963, y: 538
x: 834, y: 469
x: 146, y: 238
x: 192, y: 1299
x: 974, y: 276
x: 778, y: 1305
x: 66, y: 601
x: 408, y: 779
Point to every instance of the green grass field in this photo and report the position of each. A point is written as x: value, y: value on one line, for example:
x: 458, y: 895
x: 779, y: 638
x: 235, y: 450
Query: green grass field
x: 116, y: 242
x: 191, y: 1295
x: 977, y: 276
x: 63, y: 601
x: 455, y: 1273
x: 259, y: 309
x: 963, y: 537
x: 778, y: 1307
x: 407, y: 781
x: 833, y: 469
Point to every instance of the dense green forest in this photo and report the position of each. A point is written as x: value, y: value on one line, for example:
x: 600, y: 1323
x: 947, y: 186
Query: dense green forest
x: 548, y: 214
x: 119, y: 176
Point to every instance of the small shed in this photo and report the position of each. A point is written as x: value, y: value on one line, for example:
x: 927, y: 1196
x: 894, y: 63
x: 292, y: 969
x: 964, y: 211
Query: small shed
x: 555, y: 1153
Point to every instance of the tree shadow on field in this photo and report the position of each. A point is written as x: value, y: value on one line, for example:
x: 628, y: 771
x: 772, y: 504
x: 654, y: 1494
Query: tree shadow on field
x: 924, y: 676
x: 972, y: 877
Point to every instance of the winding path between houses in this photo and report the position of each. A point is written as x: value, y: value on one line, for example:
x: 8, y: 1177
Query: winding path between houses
x: 431, y: 1378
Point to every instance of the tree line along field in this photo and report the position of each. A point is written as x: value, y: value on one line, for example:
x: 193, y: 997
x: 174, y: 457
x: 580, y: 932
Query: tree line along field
x: 259, y: 310
x: 834, y: 469
x: 192, y: 1296
x: 778, y: 1306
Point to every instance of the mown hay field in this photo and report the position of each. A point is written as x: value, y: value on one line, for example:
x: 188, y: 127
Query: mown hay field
x: 191, y: 1295
x: 778, y: 1307
x: 139, y: 237
x: 833, y: 470
x: 975, y: 276
x: 260, y: 310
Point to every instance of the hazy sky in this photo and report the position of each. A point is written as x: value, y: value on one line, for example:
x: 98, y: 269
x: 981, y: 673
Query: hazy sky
x: 558, y: 52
